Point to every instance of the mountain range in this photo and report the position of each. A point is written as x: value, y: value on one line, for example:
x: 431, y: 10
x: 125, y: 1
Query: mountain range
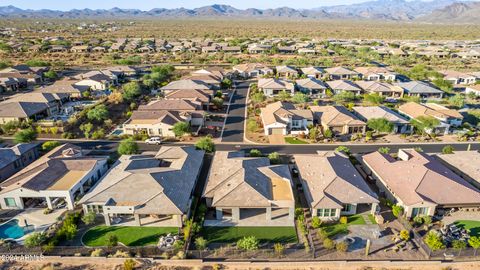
x: 437, y: 11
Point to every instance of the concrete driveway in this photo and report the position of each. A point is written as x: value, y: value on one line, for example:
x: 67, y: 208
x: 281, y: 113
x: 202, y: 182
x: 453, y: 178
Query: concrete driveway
x: 276, y: 139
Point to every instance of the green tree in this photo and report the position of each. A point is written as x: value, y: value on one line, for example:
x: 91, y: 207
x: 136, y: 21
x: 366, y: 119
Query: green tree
x: 129, y: 264
x: 444, y: 85
x: 50, y: 145
x: 98, y: 113
x: 255, y: 153
x: 457, y: 100
x: 448, y: 149
x: 86, y: 128
x: 380, y: 125
x: 373, y: 99
x: 181, y: 128
x: 343, y: 149
x: 424, y: 124
x: 248, y: 243
x: 131, y: 90
x: 34, y: 239
x: 300, y: 98
x: 127, y: 147
x: 459, y: 244
x: 344, y: 97
x: 474, y: 242
x: 25, y: 136
x: 200, y: 243
x: 51, y: 74
x: 397, y: 210
x: 206, y: 144
x: 274, y: 158
x: 226, y: 83
x: 284, y: 95
x: 384, y: 150
x: 217, y: 102
x: 89, y: 218
x: 258, y: 97
x: 112, y: 240
x: 328, y: 134
x: 434, y: 241
x: 37, y: 63
x: 404, y: 235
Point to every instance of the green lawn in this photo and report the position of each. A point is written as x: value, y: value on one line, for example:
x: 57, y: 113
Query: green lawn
x: 130, y: 236
x: 292, y: 140
x: 472, y: 225
x: 372, y: 219
x: 264, y: 234
x: 333, y: 229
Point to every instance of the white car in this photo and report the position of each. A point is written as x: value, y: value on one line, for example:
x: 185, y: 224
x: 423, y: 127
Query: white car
x: 154, y: 140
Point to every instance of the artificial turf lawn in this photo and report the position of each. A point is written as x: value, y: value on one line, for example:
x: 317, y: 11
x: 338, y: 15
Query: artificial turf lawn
x: 472, y: 225
x: 292, y: 140
x: 264, y: 234
x: 130, y: 236
x: 333, y: 229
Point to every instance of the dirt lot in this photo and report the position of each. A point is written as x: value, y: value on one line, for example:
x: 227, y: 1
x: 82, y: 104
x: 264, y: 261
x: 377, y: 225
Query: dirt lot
x: 104, y: 264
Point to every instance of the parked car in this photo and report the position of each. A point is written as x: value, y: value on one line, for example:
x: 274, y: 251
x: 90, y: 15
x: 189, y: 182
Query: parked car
x: 154, y: 140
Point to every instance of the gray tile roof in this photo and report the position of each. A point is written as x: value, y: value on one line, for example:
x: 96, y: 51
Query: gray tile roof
x: 159, y: 184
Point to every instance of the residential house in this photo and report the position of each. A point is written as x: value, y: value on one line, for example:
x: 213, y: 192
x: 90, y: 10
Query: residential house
x: 66, y: 87
x: 202, y: 96
x: 419, y: 183
x: 313, y: 72
x: 11, y: 84
x: 377, y: 73
x: 421, y: 89
x: 185, y: 84
x: 340, y: 86
x: 333, y: 187
x: 458, y: 78
x: 381, y: 88
x: 97, y: 80
x: 341, y: 73
x: 15, y: 158
x: 248, y: 191
x: 283, y: 118
x: 158, y: 117
x: 54, y: 180
x: 272, y: 87
x: 475, y: 89
x: 252, y: 70
x: 447, y: 117
x: 311, y: 86
x: 338, y: 119
x: 151, y: 189
x: 463, y: 163
x: 286, y: 72
x: 258, y: 48
x: 400, y: 124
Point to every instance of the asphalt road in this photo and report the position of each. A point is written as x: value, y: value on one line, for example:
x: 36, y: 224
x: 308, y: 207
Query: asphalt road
x: 284, y: 149
x: 234, y: 126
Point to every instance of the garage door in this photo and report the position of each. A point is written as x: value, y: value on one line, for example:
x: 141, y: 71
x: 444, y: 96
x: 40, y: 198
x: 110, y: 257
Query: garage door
x: 276, y: 131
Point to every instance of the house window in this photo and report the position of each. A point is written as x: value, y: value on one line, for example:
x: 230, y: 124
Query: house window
x: 296, y: 123
x: 227, y: 213
x: 327, y: 212
x: 10, y: 202
x: 419, y: 211
x: 347, y: 207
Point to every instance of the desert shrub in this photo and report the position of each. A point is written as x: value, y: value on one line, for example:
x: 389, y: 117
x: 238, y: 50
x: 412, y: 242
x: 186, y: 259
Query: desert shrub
x: 343, y: 220
x: 248, y: 243
x: 328, y: 243
x: 316, y: 222
x: 342, y: 246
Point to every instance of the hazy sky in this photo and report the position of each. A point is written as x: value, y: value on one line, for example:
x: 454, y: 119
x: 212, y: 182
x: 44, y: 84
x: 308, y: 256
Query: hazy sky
x: 149, y: 4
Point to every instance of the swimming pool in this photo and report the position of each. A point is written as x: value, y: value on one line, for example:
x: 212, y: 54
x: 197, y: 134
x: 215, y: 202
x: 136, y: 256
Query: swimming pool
x: 11, y: 229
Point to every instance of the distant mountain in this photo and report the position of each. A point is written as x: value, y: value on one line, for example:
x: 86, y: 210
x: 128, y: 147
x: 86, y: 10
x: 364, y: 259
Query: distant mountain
x: 396, y: 10
x: 456, y: 13
x: 389, y: 9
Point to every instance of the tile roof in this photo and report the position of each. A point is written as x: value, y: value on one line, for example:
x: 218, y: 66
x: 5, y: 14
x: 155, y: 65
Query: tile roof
x: 330, y: 180
x: 419, y: 177
x: 154, y: 184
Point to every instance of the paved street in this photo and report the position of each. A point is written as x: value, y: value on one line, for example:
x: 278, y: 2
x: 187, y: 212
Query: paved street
x: 283, y: 149
x: 234, y: 125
